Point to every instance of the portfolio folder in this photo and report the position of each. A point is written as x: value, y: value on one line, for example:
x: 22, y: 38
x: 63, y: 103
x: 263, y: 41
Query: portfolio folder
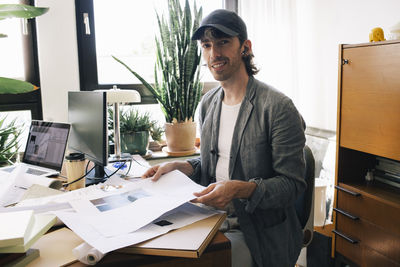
x: 188, y: 242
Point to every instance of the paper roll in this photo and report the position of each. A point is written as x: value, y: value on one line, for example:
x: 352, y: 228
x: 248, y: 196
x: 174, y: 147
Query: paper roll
x: 87, y: 254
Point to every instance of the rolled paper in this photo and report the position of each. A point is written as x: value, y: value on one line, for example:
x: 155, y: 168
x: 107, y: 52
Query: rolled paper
x: 87, y: 254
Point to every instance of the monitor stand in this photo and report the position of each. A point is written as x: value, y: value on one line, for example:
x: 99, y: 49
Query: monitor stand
x: 97, y: 175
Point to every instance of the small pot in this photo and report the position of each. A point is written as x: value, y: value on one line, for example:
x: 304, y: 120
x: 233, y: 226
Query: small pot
x: 135, y: 142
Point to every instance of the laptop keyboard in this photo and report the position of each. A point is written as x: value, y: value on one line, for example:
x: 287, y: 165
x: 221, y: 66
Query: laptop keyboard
x: 35, y: 171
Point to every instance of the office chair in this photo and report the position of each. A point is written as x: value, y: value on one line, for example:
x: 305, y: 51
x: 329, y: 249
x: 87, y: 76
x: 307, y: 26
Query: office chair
x: 305, y: 204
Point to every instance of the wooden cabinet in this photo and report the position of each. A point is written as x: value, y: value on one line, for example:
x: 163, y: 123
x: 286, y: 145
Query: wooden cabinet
x: 367, y: 215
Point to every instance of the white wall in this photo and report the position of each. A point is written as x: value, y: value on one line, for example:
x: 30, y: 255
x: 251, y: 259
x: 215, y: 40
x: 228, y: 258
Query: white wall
x: 58, y: 57
x: 323, y: 24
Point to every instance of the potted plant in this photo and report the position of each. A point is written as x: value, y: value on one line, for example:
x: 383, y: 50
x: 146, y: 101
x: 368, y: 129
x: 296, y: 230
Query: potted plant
x: 13, y: 86
x: 156, y: 133
x: 135, y: 130
x: 177, y: 85
x: 9, y: 137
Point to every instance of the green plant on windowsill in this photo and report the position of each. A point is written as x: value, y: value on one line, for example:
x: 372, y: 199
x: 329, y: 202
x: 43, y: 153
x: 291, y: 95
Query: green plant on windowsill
x: 177, y: 85
x: 9, y: 137
x: 132, y: 120
x: 156, y: 132
x: 135, y: 131
x: 135, y: 128
x: 14, y: 86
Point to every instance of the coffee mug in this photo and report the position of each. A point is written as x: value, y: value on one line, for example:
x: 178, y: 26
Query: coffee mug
x: 75, y: 163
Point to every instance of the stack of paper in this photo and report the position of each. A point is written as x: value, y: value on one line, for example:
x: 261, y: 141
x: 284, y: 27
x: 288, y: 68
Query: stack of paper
x: 15, y: 227
x: 41, y: 224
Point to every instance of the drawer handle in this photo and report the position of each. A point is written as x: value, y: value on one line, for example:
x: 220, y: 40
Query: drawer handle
x: 348, y: 191
x: 353, y: 241
x: 346, y: 214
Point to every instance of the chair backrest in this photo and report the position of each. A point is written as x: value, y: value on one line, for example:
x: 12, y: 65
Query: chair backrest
x: 304, y: 205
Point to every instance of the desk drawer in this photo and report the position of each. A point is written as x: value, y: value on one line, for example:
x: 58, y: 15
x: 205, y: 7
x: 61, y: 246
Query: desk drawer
x: 369, y: 235
x: 363, y: 255
x: 385, y: 216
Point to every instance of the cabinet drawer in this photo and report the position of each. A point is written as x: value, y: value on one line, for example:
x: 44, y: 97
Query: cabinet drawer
x: 362, y: 255
x: 369, y: 235
x: 376, y: 212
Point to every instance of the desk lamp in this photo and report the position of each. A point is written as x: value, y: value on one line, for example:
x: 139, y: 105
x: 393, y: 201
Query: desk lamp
x: 116, y: 97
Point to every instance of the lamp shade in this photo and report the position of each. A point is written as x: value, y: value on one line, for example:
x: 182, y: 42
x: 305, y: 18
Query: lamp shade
x: 116, y: 95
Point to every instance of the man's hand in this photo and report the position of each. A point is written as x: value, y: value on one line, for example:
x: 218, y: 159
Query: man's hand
x: 219, y: 194
x: 156, y: 171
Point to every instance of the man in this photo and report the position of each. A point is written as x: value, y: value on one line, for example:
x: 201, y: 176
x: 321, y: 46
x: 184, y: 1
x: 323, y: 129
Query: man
x: 252, y: 140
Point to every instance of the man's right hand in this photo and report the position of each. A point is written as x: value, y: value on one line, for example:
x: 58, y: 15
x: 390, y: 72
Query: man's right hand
x: 156, y: 171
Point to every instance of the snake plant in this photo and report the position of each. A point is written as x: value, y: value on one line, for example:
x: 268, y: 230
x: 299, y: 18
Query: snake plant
x: 177, y: 84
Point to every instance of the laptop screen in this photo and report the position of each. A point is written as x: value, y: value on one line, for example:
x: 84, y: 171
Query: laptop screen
x: 46, y: 144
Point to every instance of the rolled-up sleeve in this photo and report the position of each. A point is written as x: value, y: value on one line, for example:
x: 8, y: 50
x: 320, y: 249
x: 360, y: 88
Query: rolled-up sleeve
x: 196, y: 165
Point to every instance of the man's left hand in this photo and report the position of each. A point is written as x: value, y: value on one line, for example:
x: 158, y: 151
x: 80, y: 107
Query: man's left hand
x: 219, y: 194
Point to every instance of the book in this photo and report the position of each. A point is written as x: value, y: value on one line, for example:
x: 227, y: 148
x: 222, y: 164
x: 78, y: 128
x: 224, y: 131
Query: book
x: 42, y: 223
x: 189, y: 241
x: 14, y: 227
x: 23, y: 259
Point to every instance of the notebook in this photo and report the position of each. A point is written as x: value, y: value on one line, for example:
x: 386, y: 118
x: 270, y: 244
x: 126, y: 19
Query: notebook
x: 15, y: 227
x: 41, y: 224
x: 45, y: 148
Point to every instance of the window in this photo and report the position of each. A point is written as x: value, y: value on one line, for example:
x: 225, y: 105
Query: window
x: 125, y: 29
x: 19, y: 60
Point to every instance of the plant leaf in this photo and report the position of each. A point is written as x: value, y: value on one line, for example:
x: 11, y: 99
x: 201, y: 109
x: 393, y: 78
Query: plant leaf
x: 13, y: 86
x: 21, y: 11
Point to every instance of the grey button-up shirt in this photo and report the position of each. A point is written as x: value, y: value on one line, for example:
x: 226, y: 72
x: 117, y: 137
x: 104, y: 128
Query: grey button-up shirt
x: 267, y: 148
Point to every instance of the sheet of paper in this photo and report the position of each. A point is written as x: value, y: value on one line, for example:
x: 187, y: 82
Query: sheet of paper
x: 143, y: 203
x: 9, y: 193
x: 26, y: 180
x: 112, y: 186
x: 60, y: 201
x: 38, y: 191
x: 14, y: 184
x: 183, y: 215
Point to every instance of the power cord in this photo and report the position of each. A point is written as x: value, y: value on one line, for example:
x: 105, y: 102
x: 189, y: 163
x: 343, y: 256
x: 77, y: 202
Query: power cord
x: 80, y: 178
x: 108, y: 176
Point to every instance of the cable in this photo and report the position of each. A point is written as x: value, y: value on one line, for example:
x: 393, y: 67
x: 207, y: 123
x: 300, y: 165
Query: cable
x: 130, y: 165
x: 120, y: 167
x: 106, y: 175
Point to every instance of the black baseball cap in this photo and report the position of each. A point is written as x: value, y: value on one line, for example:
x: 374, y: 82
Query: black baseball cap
x: 224, y: 20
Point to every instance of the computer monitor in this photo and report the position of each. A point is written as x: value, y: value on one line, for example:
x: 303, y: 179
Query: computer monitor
x: 87, y: 114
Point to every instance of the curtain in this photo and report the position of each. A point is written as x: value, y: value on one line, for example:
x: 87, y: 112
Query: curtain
x: 272, y: 28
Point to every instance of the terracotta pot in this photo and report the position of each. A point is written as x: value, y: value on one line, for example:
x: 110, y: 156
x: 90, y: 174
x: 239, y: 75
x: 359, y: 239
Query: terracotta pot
x: 180, y: 136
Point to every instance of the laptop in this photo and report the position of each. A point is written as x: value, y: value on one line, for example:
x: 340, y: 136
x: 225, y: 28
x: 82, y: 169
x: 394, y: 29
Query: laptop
x: 45, y: 148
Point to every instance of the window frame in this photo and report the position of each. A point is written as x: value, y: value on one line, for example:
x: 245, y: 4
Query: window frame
x: 88, y: 60
x: 31, y: 101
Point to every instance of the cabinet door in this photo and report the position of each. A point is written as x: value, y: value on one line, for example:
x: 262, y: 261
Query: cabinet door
x: 370, y: 100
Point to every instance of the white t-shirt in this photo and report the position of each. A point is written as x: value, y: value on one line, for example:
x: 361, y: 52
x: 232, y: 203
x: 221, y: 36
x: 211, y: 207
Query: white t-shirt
x: 227, y: 123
